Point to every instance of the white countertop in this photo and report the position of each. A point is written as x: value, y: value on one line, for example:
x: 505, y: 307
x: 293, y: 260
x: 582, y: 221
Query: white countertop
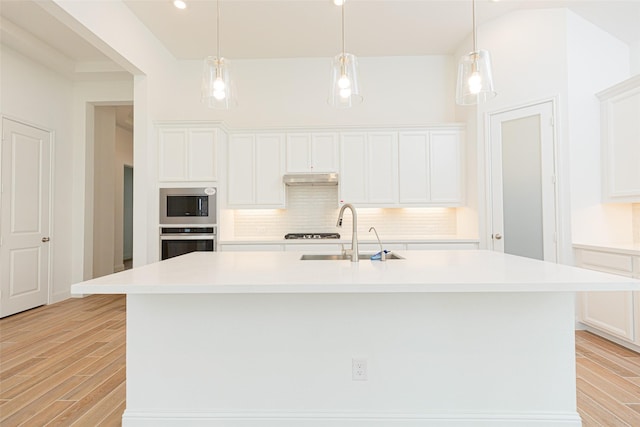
x: 344, y: 240
x: 284, y: 272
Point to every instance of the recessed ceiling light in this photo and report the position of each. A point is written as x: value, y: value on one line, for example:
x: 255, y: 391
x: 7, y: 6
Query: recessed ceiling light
x: 180, y: 4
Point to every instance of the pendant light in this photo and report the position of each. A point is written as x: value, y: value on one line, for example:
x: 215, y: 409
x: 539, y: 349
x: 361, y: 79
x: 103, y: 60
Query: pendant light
x: 345, y: 90
x: 475, y: 83
x: 217, y: 89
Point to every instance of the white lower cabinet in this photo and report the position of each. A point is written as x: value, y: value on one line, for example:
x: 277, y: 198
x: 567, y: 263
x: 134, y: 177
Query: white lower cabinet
x: 614, y: 313
x: 442, y: 246
x: 249, y: 247
x: 336, y: 248
x: 310, y: 248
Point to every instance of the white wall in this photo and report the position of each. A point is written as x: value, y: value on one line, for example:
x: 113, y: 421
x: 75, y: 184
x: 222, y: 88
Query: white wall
x: 123, y: 157
x: 568, y: 62
x: 529, y: 65
x: 113, y: 148
x: 104, y: 190
x: 596, y: 60
x: 86, y: 96
x: 293, y: 92
x: 635, y: 58
x: 35, y: 95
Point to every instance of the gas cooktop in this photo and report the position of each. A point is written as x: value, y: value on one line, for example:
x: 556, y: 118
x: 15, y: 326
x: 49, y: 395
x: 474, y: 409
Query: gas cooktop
x: 312, y: 236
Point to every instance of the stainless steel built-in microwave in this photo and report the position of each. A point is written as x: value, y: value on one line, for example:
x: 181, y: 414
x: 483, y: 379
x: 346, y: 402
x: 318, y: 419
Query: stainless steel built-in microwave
x: 188, y: 205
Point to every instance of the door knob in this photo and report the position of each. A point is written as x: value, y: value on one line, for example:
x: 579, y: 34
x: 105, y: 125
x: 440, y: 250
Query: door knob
x: 45, y: 239
x: 497, y: 236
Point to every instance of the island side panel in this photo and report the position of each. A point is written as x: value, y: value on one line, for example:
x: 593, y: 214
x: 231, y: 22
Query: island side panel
x: 453, y: 359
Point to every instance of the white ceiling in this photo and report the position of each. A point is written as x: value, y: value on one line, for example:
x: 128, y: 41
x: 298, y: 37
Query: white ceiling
x: 297, y: 28
x: 311, y: 28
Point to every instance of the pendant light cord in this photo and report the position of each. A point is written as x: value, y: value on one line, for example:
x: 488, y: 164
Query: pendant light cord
x: 218, y: 28
x: 475, y: 33
x: 343, y: 42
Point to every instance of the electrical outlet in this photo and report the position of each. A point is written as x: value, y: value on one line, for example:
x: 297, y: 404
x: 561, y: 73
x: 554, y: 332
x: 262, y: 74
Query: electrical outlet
x: 359, y: 369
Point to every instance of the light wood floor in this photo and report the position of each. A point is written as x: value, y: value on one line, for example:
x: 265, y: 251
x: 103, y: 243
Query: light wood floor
x: 64, y: 364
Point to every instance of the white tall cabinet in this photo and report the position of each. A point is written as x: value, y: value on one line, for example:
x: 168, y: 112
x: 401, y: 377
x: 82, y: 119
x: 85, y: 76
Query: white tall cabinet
x: 255, y: 168
x: 620, y: 118
x: 187, y: 153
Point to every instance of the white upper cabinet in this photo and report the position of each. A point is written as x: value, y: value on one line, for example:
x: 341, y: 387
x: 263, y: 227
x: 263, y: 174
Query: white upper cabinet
x: 620, y: 120
x: 187, y: 154
x: 255, y: 168
x: 431, y: 168
x: 312, y: 152
x: 369, y: 168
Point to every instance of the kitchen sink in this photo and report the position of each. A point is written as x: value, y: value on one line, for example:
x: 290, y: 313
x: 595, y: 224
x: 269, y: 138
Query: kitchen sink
x: 319, y: 257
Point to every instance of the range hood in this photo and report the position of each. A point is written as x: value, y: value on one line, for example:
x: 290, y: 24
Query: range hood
x: 310, y: 178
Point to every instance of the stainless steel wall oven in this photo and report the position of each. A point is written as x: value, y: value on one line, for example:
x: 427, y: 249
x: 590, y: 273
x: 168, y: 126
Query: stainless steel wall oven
x: 188, y: 220
x: 175, y: 241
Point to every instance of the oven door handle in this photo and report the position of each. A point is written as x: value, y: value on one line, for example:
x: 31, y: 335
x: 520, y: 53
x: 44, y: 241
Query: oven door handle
x: 187, y: 237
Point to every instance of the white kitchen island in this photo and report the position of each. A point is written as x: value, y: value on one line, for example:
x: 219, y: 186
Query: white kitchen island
x: 449, y: 338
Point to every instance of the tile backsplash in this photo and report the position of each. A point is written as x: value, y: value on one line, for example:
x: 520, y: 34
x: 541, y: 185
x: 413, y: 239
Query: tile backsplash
x: 636, y: 222
x: 315, y: 210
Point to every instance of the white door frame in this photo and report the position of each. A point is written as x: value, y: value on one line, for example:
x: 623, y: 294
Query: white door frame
x: 554, y: 167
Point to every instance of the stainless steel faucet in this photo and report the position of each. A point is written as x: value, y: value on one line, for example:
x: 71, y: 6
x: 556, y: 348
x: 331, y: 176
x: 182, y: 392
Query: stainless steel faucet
x: 354, y: 235
x: 382, y: 253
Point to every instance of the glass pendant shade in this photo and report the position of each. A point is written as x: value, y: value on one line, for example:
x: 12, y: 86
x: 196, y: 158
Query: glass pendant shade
x: 345, y: 90
x: 475, y: 82
x: 217, y: 90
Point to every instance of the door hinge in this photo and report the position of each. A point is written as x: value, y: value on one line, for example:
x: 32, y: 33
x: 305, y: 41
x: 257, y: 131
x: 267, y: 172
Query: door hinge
x: 552, y: 121
x: 553, y: 179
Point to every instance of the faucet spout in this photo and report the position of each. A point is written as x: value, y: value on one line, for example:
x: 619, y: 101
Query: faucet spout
x: 354, y: 226
x: 382, y: 252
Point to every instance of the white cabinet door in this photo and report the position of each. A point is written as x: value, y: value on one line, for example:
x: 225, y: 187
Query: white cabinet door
x: 312, y: 152
x: 610, y: 312
x: 353, y: 167
x: 382, y: 165
x: 202, y: 149
x: 620, y: 116
x: 298, y: 152
x: 324, y: 152
x: 241, y: 170
x: 369, y: 168
x: 431, y: 168
x: 172, y: 152
x: 445, y: 167
x: 413, y: 159
x: 269, y: 169
x: 255, y: 170
x: 188, y: 154
x: 237, y: 247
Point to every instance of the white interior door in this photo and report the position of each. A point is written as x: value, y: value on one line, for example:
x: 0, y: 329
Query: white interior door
x: 24, y: 217
x: 523, y: 195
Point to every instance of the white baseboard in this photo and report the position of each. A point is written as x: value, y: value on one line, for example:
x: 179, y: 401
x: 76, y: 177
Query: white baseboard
x: 132, y: 418
x: 612, y: 338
